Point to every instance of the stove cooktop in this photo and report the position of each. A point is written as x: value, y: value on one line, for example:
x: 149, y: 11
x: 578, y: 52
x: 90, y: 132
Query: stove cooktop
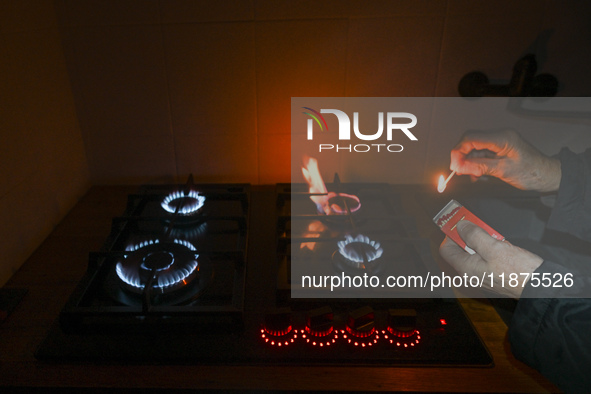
x: 178, y: 282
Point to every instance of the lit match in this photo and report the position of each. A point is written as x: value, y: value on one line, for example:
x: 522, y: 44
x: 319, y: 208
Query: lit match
x: 442, y: 184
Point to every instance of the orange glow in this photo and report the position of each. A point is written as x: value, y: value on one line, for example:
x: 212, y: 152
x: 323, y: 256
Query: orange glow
x: 316, y: 184
x: 325, y: 200
x: 441, y: 184
x: 315, y: 229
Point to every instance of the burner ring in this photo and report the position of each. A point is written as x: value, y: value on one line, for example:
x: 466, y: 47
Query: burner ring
x: 374, y: 266
x: 335, y: 200
x: 360, y: 250
x: 174, y: 265
x: 183, y: 204
x: 159, y: 261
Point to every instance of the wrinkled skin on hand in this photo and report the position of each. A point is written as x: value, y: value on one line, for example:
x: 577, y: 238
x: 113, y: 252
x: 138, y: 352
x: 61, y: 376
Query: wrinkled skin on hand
x: 507, y: 156
x: 492, y: 256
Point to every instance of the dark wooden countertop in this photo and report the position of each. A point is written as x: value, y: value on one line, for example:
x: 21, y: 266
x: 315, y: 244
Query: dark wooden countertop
x: 53, y: 271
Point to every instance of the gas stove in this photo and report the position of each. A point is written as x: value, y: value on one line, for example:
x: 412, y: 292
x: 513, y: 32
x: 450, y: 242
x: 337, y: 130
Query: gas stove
x: 202, y: 274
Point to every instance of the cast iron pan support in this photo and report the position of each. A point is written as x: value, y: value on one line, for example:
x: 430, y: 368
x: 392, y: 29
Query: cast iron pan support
x: 147, y: 294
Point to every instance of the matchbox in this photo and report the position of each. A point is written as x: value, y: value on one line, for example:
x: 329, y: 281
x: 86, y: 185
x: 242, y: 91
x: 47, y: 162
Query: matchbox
x: 451, y: 214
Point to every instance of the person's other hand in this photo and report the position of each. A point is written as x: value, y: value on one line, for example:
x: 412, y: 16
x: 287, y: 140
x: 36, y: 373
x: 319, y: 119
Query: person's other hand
x: 492, y: 256
x: 507, y: 156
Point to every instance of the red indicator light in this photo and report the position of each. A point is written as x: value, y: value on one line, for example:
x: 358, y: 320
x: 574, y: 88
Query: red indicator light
x: 443, y: 322
x: 278, y: 340
x: 284, y: 338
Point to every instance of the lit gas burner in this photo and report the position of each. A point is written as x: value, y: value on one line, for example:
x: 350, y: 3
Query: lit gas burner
x: 174, y: 264
x: 359, y: 251
x: 342, y: 203
x: 328, y: 203
x: 183, y: 203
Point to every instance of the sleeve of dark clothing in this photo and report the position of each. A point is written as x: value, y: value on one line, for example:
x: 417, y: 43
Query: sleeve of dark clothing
x: 551, y: 327
x: 553, y: 334
x: 572, y: 211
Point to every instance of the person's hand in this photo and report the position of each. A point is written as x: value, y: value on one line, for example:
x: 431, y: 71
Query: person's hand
x: 507, y: 156
x: 492, y: 256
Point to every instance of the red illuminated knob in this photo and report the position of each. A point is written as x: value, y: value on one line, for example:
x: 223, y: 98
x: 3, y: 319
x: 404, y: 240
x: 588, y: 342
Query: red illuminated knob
x: 361, y: 322
x: 278, y: 323
x: 402, y: 322
x: 319, y: 322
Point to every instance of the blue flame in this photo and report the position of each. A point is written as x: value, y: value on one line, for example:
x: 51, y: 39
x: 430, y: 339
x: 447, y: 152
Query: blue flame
x: 193, y: 202
x: 186, y: 244
x: 134, y: 247
x: 178, y: 276
x: 373, y: 253
x: 166, y: 277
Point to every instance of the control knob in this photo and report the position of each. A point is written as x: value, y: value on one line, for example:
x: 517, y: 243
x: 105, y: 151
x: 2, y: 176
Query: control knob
x: 361, y: 323
x: 278, y: 323
x: 319, y: 321
x: 402, y: 323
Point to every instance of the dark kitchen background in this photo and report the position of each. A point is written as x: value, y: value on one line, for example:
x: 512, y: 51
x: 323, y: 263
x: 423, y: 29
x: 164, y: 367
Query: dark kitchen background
x: 133, y: 92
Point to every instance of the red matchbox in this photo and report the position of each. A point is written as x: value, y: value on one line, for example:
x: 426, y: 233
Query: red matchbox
x: 451, y: 214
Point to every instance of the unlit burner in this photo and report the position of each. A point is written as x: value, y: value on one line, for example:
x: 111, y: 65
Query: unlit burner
x: 360, y: 250
x: 174, y: 264
x: 187, y: 204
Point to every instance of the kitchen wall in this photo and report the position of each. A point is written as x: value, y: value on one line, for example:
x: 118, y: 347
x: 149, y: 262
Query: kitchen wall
x: 42, y: 159
x: 138, y: 91
x: 171, y: 87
